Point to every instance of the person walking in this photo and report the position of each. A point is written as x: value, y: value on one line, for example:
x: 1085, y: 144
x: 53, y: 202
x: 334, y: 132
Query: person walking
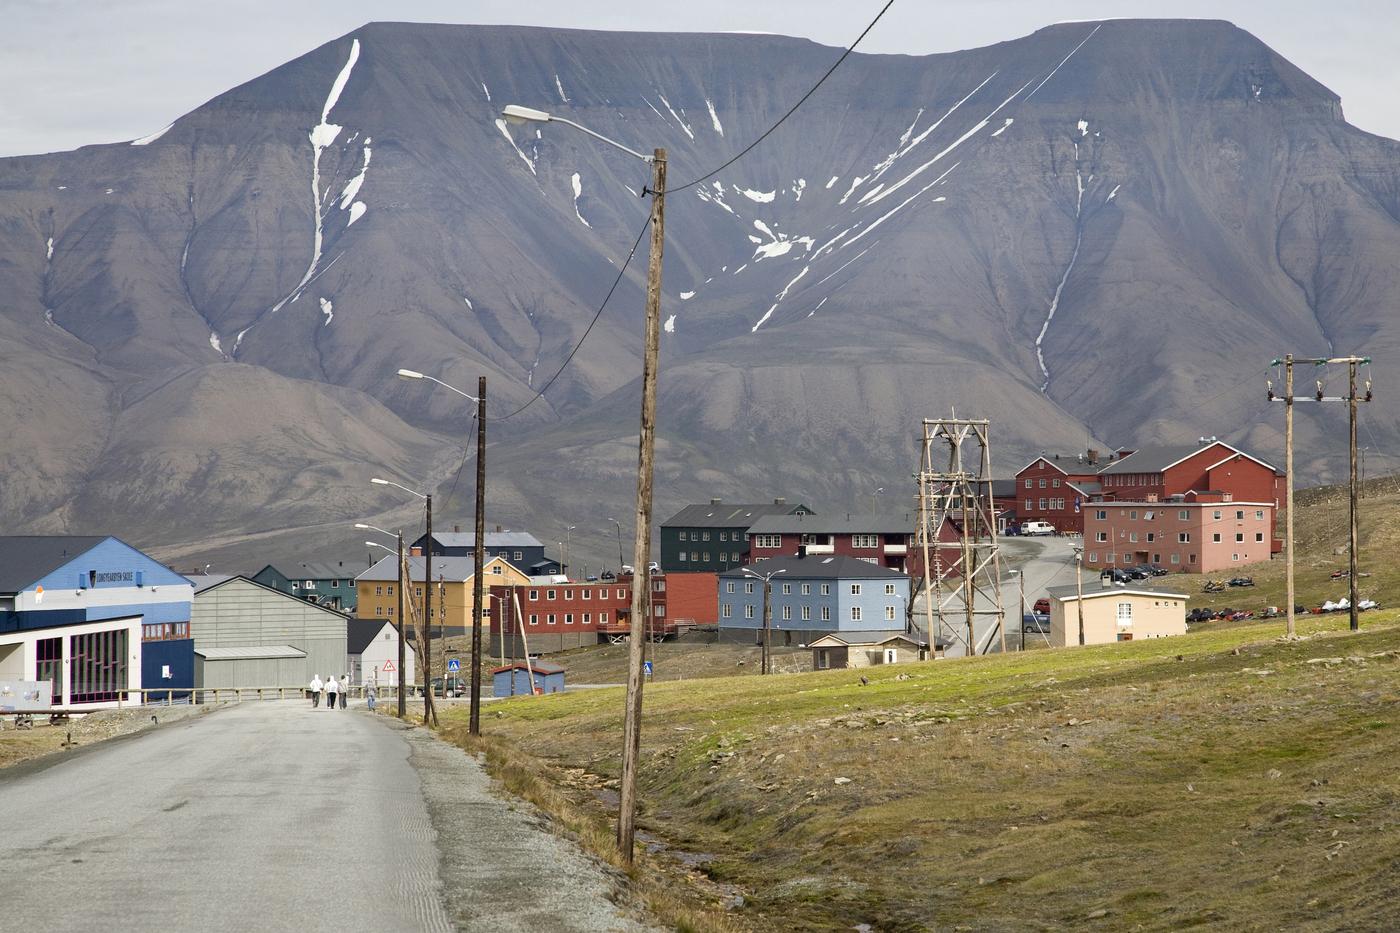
x: 371, y: 694
x: 332, y: 688
x: 345, y: 692
x: 315, y: 690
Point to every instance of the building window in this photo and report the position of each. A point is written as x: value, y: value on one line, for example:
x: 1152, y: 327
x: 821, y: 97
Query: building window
x: 1151, y: 536
x: 568, y: 594
x: 379, y: 610
x: 1183, y: 537
x: 519, y: 555
x: 1176, y: 558
x: 889, y: 589
x: 826, y: 589
x: 391, y: 610
x: 418, y: 591
x: 806, y: 613
x: 1101, y: 514
x: 1239, y: 515
x: 734, y: 558
x: 889, y: 613
x: 826, y: 613
x: 682, y: 556
x: 1125, y: 613
x: 766, y: 541
x: 787, y: 589
x: 534, y: 619
x: 1132, y: 537
x: 806, y: 589
x: 1029, y: 504
x: 855, y: 613
x: 1055, y: 482
x: 787, y: 613
x: 748, y: 586
x: 748, y: 612
x: 1042, y: 504
x: 1216, y: 515
x: 602, y: 618
x: 1190, y: 558
x: 1234, y: 557
x: 1042, y: 482
x: 1028, y: 483
x: 864, y: 541
x: 1259, y: 514
x: 704, y: 536
x: 1259, y: 536
x: 568, y: 618
x: 729, y: 586
x: 726, y: 611
x: 379, y: 591
x: 1093, y: 557
x: 1101, y: 536
x: 1132, y: 516
x: 1239, y: 537
x: 723, y: 536
x: 855, y: 589
x: 549, y: 619
x: 586, y: 593
x: 695, y: 557
x: 621, y: 594
x: 1215, y: 537
x: 550, y: 595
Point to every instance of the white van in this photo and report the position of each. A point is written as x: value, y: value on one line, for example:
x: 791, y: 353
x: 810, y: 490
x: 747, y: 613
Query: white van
x: 1037, y: 528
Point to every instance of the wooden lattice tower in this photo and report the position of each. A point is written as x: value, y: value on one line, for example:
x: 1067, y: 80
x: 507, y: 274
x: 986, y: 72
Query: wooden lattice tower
x: 962, y: 578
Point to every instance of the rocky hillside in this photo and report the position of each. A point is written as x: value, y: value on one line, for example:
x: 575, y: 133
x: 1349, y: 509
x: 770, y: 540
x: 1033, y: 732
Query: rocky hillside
x: 1096, y: 234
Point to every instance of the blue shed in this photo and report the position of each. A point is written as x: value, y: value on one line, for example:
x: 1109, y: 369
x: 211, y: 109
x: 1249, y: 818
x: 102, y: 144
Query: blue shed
x: 513, y: 680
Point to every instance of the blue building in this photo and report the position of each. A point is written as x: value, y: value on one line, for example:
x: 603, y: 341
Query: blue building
x: 513, y: 680
x: 811, y: 597
x: 94, y: 617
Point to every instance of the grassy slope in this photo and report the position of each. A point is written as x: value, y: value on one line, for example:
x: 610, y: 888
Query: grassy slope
x: 1030, y: 790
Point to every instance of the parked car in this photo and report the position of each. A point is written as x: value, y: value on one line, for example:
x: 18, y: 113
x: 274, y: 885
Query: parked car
x: 1241, y: 581
x: 1157, y: 570
x: 1037, y: 528
x: 1035, y: 622
x: 454, y: 687
x: 1042, y: 606
x: 1140, y: 572
x: 1117, y: 575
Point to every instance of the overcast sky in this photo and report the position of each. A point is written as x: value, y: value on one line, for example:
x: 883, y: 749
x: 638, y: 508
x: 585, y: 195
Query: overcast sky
x: 74, y: 72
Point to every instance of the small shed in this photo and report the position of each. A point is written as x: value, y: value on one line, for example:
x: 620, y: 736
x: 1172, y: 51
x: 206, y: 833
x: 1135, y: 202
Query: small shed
x: 1114, y: 613
x: 249, y: 666
x: 866, y: 649
x: 513, y: 680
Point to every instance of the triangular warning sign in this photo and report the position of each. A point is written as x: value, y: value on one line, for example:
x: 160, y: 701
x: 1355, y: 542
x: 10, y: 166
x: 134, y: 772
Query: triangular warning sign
x: 389, y: 667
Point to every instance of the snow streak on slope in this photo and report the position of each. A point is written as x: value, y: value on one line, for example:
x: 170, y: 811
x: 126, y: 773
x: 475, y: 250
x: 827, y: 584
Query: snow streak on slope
x: 1073, y: 258
x: 328, y: 310
x: 1066, y: 58
x: 578, y: 190
x: 714, y: 118
x: 321, y: 136
x: 560, y: 85
x: 688, y: 131
x: 352, y: 187
x: 147, y: 140
x: 505, y: 131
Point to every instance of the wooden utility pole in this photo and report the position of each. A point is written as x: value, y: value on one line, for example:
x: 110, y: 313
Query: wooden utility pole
x: 767, y: 624
x: 479, y: 554
x: 1351, y: 398
x: 429, y: 706
x: 403, y: 635
x: 1079, y: 589
x: 641, y: 551
x: 1288, y: 503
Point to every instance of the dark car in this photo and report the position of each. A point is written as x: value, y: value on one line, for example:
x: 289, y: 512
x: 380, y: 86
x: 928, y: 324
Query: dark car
x: 1117, y: 575
x: 1035, y: 622
x: 1042, y: 606
x: 1140, y: 572
x: 454, y: 687
x: 1158, y: 570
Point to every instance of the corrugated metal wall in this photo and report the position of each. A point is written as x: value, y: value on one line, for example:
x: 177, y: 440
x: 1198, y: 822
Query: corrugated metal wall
x: 240, y: 614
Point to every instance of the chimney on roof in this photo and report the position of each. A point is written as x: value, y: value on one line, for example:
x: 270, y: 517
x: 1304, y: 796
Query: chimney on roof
x: 802, y: 552
x: 780, y: 502
x: 456, y: 529
x: 415, y: 552
x: 1092, y: 456
x: 498, y: 529
x: 716, y: 501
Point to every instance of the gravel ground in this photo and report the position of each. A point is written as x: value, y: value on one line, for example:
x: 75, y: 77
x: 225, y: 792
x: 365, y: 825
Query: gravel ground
x: 501, y: 866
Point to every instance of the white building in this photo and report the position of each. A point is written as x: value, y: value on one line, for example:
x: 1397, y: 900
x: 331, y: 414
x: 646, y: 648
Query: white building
x: 373, y: 649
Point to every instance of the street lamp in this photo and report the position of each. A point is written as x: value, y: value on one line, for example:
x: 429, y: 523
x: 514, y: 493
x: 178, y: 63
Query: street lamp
x: 568, y: 546
x: 479, y: 547
x: 1021, y: 578
x: 429, y: 710
x: 767, y: 613
x: 646, y: 447
x: 619, y: 543
x: 403, y: 647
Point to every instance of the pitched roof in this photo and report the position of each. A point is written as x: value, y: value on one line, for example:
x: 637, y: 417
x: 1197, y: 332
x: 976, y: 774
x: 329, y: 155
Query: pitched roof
x: 1068, y: 593
x: 1157, y: 459
x: 360, y: 633
x: 510, y: 539
x: 818, y: 567
x: 203, y: 581
x: 450, y: 569
x: 844, y: 523
x: 728, y: 514
x: 213, y: 583
x: 26, y: 559
x: 322, y: 570
x: 856, y: 639
x: 244, y: 652
x: 540, y: 667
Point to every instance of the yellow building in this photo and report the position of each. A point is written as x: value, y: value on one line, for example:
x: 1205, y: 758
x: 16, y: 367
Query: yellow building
x: 1117, y: 613
x: 378, y: 598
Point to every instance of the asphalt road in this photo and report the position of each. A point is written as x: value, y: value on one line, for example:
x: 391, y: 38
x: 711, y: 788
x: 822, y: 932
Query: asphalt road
x: 275, y: 816
x: 1045, y: 561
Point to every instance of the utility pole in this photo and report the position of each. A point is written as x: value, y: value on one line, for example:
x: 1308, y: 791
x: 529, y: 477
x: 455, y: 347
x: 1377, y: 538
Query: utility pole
x: 429, y: 707
x: 1079, y: 589
x: 641, y: 552
x: 767, y: 624
x: 479, y: 555
x: 403, y: 635
x: 1351, y: 398
x: 619, y: 544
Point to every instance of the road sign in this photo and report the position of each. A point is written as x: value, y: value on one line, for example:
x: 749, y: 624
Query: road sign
x: 453, y: 666
x: 648, y: 668
x: 389, y: 667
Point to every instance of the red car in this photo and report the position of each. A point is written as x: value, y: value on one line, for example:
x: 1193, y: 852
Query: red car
x: 1042, y: 605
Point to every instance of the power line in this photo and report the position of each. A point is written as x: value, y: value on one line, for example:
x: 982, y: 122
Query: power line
x: 751, y: 146
x: 466, y: 453
x: 599, y: 313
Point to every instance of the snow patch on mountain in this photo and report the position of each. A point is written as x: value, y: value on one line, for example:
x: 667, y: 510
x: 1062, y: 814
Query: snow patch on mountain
x: 357, y: 210
x: 214, y: 342
x: 560, y: 85
x: 352, y: 187
x: 328, y: 310
x: 762, y: 197
x: 49, y: 253
x: 487, y: 91
x: 505, y: 131
x: 685, y: 126
x: 1004, y: 127
x: 147, y: 140
x: 834, y: 180
x: 777, y: 301
x: 686, y: 296
x: 714, y: 117
x: 578, y: 191
x: 670, y: 325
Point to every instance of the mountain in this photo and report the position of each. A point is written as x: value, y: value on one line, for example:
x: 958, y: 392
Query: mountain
x: 1095, y: 235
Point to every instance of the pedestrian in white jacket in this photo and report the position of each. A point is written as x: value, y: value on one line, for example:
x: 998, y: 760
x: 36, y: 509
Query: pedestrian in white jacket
x: 332, y: 688
x: 315, y: 690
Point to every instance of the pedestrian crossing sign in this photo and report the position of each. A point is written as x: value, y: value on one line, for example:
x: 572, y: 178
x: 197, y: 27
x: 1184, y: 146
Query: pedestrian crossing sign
x: 453, y: 666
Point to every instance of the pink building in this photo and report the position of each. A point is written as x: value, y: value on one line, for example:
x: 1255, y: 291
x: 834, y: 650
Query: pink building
x: 1199, y: 532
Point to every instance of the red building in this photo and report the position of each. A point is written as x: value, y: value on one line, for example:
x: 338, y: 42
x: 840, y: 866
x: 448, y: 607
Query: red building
x: 1054, y: 488
x: 1154, y: 474
x: 886, y: 541
x: 1198, y: 532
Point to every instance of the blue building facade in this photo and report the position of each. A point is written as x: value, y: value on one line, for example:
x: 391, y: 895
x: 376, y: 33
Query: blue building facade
x: 513, y: 680
x: 812, y: 597
x: 93, y: 615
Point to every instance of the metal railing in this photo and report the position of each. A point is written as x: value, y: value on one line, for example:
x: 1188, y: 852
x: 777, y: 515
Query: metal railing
x: 181, y: 696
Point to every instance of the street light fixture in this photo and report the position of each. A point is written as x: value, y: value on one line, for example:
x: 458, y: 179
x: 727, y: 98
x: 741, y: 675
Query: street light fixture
x: 646, y: 448
x: 1021, y: 578
x: 767, y: 614
x: 429, y: 709
x: 479, y: 550
x: 619, y: 543
x: 568, y: 546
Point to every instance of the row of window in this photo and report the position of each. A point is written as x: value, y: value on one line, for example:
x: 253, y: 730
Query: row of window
x: 587, y: 617
x: 1051, y: 504
x: 1182, y: 514
x: 1133, y: 479
x: 587, y: 592
x: 1055, y: 483
x: 705, y: 536
x: 726, y: 611
x: 1129, y: 559
x: 804, y: 588
x: 161, y: 631
x: 695, y: 557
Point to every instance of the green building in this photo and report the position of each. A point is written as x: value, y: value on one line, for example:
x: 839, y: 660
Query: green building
x: 714, y: 537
